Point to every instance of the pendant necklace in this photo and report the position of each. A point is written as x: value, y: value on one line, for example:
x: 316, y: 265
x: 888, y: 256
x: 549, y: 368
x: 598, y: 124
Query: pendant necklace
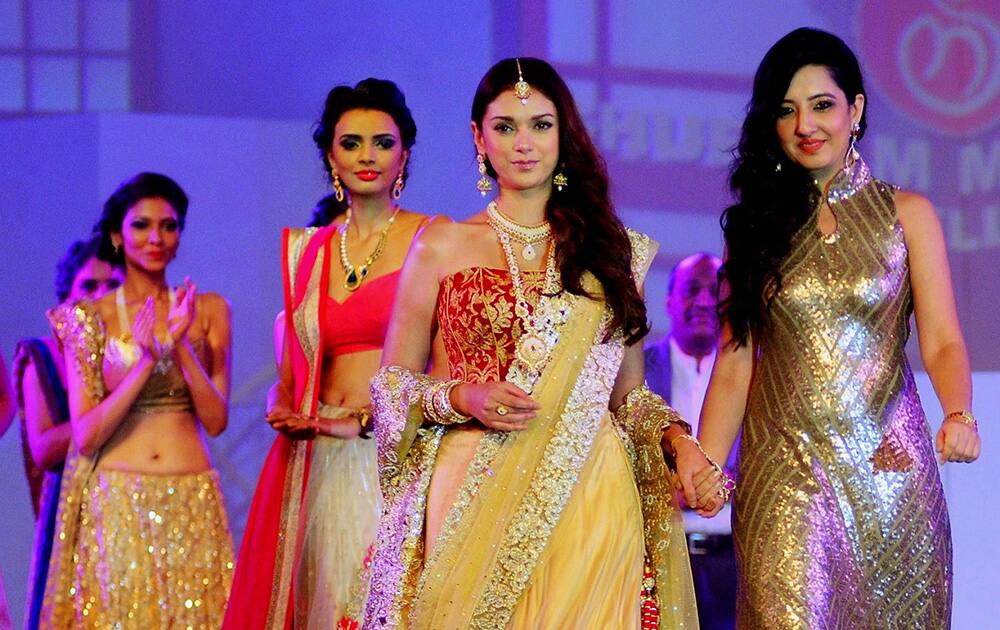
x: 354, y: 276
x: 528, y: 236
x: 532, y: 347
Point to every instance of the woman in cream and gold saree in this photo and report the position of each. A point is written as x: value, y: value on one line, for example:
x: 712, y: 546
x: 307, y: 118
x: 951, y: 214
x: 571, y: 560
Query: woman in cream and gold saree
x: 514, y: 498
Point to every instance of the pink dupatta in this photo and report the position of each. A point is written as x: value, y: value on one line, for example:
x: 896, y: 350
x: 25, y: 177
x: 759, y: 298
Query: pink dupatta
x: 263, y: 586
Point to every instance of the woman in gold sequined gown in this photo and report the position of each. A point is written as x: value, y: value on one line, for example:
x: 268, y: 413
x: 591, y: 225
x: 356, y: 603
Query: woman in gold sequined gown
x: 840, y: 519
x: 142, y: 539
x: 513, y: 497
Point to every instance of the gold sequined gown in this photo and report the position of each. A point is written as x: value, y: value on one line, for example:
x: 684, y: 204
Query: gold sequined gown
x: 840, y: 518
x: 134, y: 550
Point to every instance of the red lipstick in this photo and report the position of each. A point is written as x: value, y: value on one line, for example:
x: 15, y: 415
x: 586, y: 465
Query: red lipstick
x: 367, y: 176
x: 811, y: 146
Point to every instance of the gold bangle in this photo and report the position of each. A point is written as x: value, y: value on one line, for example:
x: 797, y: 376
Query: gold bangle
x: 728, y: 483
x: 963, y: 416
x: 684, y: 436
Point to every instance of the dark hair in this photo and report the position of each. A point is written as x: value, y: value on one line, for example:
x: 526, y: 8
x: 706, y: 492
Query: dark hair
x: 327, y: 209
x: 72, y: 261
x: 375, y: 94
x: 589, y: 236
x: 773, y: 203
x: 129, y: 193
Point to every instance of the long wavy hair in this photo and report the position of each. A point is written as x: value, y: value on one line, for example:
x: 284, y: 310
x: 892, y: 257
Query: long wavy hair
x: 589, y: 236
x: 774, y: 195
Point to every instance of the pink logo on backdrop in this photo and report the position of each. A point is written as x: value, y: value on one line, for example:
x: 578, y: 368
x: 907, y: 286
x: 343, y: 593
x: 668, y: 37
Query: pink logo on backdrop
x: 937, y: 60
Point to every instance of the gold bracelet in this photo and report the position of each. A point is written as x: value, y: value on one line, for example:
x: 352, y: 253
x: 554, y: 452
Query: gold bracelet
x: 728, y: 483
x: 963, y: 416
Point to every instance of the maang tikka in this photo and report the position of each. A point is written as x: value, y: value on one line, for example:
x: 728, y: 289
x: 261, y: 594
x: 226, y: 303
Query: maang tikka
x: 522, y: 91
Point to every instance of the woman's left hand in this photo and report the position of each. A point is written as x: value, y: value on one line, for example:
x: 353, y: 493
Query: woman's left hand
x: 957, y: 442
x: 182, y: 313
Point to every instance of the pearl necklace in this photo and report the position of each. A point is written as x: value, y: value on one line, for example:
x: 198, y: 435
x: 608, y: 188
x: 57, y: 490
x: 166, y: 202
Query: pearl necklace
x: 354, y: 276
x: 526, y: 235
x: 533, y: 347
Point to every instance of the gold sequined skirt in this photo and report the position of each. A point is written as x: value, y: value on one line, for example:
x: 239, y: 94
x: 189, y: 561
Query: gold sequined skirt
x: 152, y: 551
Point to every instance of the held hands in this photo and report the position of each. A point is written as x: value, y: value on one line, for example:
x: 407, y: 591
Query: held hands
x: 293, y: 425
x: 698, y: 479
x: 501, y: 406
x: 299, y: 427
x: 957, y: 441
x: 182, y: 313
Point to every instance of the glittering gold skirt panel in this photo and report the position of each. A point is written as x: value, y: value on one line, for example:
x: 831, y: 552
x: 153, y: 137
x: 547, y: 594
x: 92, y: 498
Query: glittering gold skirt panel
x: 152, y: 551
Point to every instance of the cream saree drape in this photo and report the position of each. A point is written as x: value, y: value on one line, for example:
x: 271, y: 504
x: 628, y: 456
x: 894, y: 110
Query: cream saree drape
x: 497, y: 543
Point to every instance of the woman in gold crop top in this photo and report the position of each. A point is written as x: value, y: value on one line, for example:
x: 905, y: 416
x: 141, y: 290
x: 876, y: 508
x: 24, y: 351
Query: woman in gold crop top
x: 142, y: 537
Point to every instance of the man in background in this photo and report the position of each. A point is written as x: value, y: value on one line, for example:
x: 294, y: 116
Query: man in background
x: 678, y: 369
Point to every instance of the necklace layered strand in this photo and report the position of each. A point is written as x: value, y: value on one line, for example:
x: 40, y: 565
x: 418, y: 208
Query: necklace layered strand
x: 354, y: 276
x: 528, y: 236
x: 540, y: 326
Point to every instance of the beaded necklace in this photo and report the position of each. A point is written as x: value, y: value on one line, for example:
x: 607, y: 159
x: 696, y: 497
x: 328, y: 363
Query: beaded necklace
x: 354, y: 276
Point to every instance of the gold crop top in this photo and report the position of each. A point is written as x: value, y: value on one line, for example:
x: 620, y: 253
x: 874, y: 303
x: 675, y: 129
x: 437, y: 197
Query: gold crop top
x: 103, y: 361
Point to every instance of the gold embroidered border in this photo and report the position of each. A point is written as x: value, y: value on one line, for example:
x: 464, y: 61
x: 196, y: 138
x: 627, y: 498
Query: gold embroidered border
x: 306, y: 323
x: 406, y: 456
x: 550, y: 488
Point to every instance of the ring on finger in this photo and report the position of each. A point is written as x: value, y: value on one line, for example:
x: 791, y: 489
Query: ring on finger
x: 502, y: 411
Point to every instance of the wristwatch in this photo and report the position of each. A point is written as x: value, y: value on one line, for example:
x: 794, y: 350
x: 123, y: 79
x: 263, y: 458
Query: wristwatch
x: 365, y: 420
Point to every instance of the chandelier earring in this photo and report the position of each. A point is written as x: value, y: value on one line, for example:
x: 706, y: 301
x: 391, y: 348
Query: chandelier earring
x: 338, y: 188
x: 484, y: 185
x: 560, y: 181
x: 397, y: 187
x: 852, y: 152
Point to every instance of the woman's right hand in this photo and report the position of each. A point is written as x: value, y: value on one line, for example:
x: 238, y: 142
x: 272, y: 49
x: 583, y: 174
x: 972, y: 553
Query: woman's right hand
x: 144, y: 330
x: 293, y: 425
x: 483, y: 400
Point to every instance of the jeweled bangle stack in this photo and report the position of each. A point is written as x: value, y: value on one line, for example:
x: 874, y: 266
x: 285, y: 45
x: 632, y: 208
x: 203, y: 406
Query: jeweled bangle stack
x: 436, y: 403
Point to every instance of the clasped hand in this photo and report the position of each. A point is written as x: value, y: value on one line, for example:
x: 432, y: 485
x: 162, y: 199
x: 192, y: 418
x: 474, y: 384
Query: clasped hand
x: 299, y: 427
x: 957, y: 442
x: 699, y: 481
x: 501, y: 406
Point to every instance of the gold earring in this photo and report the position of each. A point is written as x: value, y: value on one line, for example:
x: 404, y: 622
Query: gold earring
x: 560, y: 181
x: 397, y: 187
x: 852, y: 152
x: 338, y: 189
x: 117, y: 247
x: 484, y: 185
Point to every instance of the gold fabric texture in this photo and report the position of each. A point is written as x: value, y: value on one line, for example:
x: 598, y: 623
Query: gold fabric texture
x: 152, y: 551
x: 79, y: 326
x: 840, y: 518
